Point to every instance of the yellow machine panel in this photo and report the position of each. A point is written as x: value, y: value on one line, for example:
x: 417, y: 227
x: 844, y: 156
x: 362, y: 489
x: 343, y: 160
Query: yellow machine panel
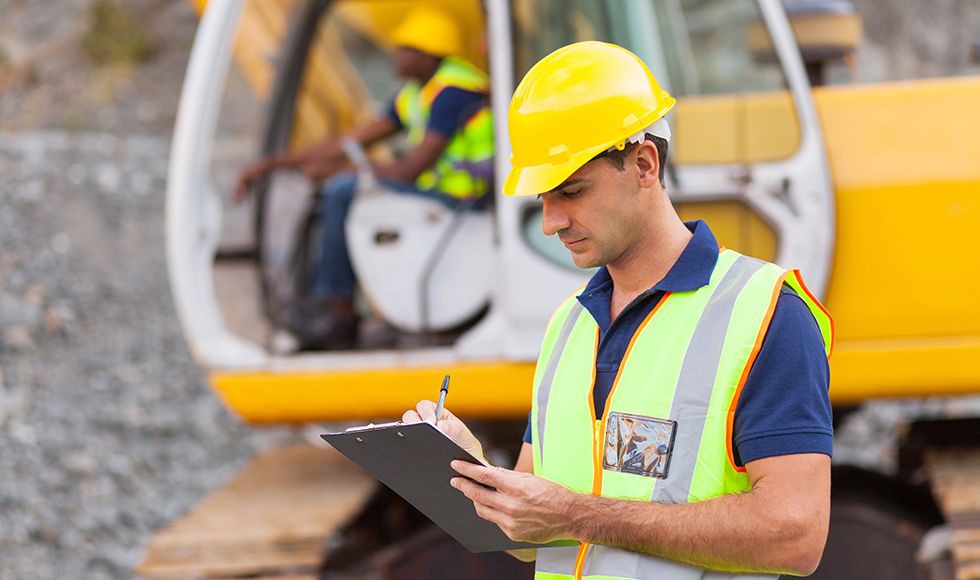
x: 485, y: 390
x: 903, y: 158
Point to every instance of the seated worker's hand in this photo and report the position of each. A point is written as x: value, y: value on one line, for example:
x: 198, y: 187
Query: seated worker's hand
x: 448, y: 424
x: 249, y: 176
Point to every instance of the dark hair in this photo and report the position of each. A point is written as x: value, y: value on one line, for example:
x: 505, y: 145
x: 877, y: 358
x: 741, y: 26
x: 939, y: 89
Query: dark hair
x: 618, y: 158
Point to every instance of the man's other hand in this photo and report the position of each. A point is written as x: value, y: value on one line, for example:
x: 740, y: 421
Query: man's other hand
x: 525, y: 507
x: 448, y: 424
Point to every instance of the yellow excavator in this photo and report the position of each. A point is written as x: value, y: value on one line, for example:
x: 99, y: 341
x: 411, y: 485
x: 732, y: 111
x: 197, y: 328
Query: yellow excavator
x: 872, y: 190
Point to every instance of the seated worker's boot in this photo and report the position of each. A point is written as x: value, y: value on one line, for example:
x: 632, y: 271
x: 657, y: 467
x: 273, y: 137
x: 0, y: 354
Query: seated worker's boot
x: 326, y: 324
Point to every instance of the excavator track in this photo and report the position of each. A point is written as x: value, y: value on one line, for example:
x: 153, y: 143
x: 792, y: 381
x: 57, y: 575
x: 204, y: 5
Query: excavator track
x: 955, y: 476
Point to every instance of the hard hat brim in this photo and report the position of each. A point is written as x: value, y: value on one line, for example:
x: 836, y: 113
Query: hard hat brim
x: 537, y: 179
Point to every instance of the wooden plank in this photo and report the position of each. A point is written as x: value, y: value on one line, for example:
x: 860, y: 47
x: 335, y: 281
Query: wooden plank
x: 968, y: 572
x: 274, y: 517
x: 955, y: 479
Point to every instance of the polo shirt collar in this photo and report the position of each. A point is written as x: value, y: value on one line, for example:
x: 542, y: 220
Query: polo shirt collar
x: 691, y: 271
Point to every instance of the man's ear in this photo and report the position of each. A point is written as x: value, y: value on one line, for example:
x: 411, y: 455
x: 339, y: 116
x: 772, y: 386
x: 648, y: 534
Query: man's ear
x: 648, y: 163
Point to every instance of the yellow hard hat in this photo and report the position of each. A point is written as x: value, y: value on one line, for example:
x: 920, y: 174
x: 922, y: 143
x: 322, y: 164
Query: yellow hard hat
x: 575, y: 103
x: 431, y: 31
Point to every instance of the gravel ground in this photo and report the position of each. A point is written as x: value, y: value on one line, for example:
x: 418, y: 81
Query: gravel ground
x: 106, y: 428
x: 49, y: 80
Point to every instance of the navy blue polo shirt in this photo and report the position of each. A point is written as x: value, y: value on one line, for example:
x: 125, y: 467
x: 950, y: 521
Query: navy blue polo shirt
x: 450, y: 110
x: 784, y: 407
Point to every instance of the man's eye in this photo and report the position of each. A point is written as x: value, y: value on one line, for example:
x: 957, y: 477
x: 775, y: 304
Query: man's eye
x: 574, y: 193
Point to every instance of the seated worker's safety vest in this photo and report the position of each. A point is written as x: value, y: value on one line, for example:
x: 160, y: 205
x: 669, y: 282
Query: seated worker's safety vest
x: 665, y: 434
x: 465, y: 167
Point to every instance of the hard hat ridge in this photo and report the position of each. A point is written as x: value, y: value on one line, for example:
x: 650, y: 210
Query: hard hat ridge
x: 430, y: 30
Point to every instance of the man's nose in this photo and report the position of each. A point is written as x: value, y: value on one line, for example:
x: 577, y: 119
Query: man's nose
x: 553, y: 218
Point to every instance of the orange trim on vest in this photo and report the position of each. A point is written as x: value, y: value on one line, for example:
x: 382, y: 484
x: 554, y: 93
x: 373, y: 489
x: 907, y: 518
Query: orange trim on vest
x: 584, y: 547
x: 595, y: 361
x: 596, y: 456
x: 763, y: 329
x: 597, y: 466
x: 833, y: 325
x: 583, y: 552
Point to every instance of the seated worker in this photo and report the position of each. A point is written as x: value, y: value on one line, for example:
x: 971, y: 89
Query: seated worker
x: 444, y: 108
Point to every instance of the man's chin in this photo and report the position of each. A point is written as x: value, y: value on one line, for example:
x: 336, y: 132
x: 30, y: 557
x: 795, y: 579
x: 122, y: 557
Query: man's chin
x: 584, y: 261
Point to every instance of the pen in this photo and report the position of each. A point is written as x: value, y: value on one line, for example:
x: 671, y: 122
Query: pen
x: 442, y: 399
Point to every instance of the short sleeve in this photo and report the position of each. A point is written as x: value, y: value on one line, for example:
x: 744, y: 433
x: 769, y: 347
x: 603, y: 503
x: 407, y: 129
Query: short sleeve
x: 451, y: 108
x: 784, y: 408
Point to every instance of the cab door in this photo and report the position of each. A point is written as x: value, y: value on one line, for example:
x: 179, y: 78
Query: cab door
x: 748, y: 154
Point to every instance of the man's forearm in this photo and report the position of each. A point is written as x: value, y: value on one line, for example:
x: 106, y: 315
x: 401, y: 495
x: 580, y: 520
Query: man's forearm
x: 743, y: 532
x: 322, y: 153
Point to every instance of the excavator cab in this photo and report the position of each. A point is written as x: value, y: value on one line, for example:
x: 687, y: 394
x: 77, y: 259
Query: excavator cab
x: 466, y: 290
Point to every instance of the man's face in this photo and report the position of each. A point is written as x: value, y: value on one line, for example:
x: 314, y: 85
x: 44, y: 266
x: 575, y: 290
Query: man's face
x: 596, y: 212
x: 409, y: 62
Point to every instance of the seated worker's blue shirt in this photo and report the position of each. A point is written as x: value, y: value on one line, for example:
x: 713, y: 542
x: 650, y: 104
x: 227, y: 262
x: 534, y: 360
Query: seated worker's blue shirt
x: 784, y: 407
x: 451, y: 109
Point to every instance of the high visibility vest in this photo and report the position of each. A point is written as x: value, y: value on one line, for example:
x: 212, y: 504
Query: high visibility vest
x: 465, y: 166
x: 687, y: 362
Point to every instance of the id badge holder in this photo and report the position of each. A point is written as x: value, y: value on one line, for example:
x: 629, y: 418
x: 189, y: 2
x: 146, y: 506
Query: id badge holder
x: 638, y: 445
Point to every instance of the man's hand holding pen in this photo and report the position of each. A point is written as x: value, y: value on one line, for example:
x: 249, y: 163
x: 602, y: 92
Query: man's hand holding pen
x: 525, y: 507
x: 448, y: 424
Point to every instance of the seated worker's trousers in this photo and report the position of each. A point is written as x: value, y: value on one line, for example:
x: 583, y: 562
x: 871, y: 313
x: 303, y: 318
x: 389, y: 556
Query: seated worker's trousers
x: 334, y: 275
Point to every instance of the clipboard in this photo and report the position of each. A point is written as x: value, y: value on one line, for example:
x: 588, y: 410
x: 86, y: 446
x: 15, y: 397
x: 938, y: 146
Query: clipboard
x: 413, y: 460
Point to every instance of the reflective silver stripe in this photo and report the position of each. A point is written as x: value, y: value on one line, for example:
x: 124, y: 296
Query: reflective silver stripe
x: 696, y: 381
x: 556, y: 560
x: 613, y: 562
x: 655, y: 569
x: 616, y: 563
x: 548, y: 378
x: 608, y: 561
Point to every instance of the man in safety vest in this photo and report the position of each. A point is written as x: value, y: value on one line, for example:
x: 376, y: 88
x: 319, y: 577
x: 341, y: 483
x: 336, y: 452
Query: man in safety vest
x: 445, y: 112
x: 680, y: 419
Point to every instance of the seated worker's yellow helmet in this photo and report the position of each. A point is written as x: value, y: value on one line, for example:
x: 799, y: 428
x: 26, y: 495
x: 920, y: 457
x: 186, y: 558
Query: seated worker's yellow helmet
x: 575, y: 103
x: 431, y: 31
